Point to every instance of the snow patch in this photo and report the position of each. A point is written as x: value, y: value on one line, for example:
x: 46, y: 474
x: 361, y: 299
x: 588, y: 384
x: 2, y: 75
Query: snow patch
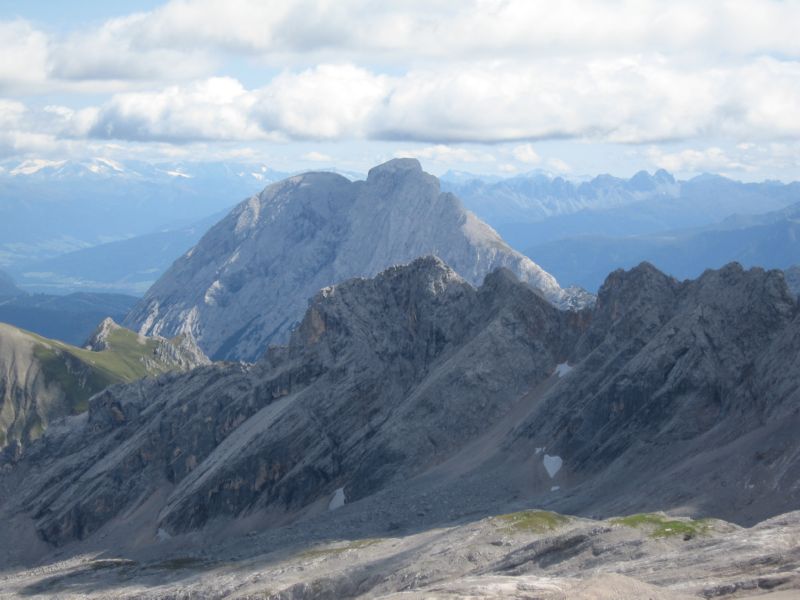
x: 338, y: 499
x: 552, y: 464
x: 178, y: 174
x: 29, y: 167
x: 555, y: 488
x: 563, y: 369
x: 539, y: 451
x: 162, y: 535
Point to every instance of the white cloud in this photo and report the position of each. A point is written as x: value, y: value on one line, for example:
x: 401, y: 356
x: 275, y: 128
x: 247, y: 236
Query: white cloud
x: 559, y: 165
x: 326, y: 102
x: 415, y: 30
x: 446, y: 154
x: 25, y: 53
x: 214, y: 109
x: 315, y: 156
x: 712, y: 159
x: 525, y: 153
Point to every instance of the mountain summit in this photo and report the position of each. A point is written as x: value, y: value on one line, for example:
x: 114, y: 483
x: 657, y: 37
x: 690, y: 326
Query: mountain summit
x: 246, y: 283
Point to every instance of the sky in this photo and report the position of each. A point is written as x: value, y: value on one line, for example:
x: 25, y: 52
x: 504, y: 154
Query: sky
x: 488, y: 86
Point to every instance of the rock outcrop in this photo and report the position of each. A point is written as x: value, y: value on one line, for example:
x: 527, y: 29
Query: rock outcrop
x: 246, y: 284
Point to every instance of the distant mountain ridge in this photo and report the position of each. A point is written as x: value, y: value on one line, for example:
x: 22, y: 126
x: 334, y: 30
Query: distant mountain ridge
x: 84, y: 203
x: 246, y: 283
x: 536, y: 208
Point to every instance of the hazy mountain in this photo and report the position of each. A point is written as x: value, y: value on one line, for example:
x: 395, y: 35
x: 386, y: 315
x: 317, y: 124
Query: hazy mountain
x: 52, y: 207
x: 246, y: 283
x: 42, y: 379
x: 421, y: 400
x: 537, y: 208
x: 8, y: 288
x: 770, y: 240
x: 70, y: 318
x: 128, y: 266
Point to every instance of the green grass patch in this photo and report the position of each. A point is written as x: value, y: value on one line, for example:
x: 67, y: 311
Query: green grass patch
x: 111, y: 563
x: 533, y: 521
x: 661, y: 526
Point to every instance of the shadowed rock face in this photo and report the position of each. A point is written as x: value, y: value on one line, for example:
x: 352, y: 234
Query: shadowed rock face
x: 414, y: 383
x: 792, y: 275
x: 245, y: 285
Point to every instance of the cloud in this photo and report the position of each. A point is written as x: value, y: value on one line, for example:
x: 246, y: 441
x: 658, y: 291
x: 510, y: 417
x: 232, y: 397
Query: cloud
x: 25, y: 51
x: 526, y: 154
x: 326, y: 102
x: 315, y: 156
x: 713, y: 159
x: 213, y: 109
x: 417, y: 31
x: 446, y: 154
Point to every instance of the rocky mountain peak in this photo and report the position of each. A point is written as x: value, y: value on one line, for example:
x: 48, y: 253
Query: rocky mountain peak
x: 98, y: 341
x: 402, y: 167
x: 245, y: 285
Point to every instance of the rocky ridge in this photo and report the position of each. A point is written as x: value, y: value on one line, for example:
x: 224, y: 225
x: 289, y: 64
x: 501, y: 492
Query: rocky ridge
x: 246, y: 283
x: 420, y: 400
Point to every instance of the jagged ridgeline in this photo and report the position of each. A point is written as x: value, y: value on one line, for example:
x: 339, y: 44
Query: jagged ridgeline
x: 43, y: 379
x: 416, y: 389
x: 245, y: 285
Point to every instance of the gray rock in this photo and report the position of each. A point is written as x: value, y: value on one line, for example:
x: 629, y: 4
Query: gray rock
x: 426, y: 401
x: 246, y: 283
x: 792, y: 275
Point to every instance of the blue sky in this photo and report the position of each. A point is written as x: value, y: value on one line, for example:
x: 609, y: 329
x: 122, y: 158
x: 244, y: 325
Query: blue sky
x: 493, y: 86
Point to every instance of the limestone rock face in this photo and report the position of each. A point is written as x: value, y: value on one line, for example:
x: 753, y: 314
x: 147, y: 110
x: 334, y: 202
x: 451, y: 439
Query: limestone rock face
x: 246, y: 284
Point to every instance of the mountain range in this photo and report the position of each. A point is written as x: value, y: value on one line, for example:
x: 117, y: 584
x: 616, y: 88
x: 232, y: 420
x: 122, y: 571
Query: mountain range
x: 424, y: 412
x: 413, y: 399
x: 245, y: 284
x: 536, y: 208
x: 52, y: 207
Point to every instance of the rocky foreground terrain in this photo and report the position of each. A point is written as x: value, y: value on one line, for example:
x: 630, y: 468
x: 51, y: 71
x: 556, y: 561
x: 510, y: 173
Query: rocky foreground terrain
x: 525, y: 555
x: 246, y: 283
x: 405, y: 414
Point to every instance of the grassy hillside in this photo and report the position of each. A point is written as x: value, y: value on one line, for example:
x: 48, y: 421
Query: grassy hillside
x: 43, y: 379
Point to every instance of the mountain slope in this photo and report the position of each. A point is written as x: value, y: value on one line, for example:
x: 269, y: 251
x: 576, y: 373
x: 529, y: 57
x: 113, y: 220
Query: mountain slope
x: 245, y: 284
x: 42, y: 380
x: 422, y: 400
